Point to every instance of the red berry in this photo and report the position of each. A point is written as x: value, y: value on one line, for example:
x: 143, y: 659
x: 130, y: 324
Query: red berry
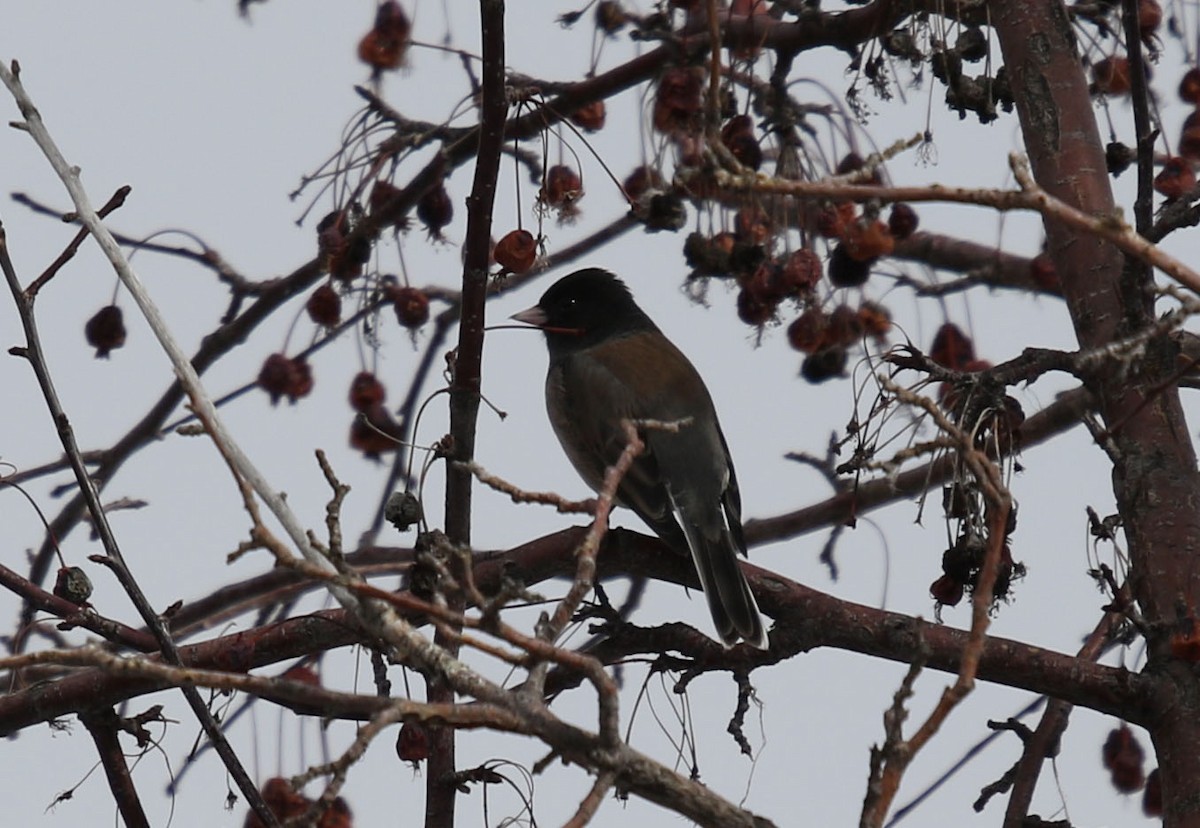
x: 946, y: 591
x: 1176, y: 179
x: 516, y: 251
x: 412, y: 744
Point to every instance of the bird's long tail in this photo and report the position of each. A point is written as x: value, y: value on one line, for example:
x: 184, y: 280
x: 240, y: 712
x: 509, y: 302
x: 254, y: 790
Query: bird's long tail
x: 730, y: 601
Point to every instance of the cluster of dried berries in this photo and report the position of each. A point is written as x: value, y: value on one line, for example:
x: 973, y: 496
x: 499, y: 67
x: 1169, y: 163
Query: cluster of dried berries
x: 826, y: 337
x: 1123, y: 757
x: 963, y: 561
x: 374, y: 431
x: 284, y: 376
x: 679, y: 101
x: 285, y: 802
x: 1113, y: 75
x: 105, y: 331
x: 385, y: 46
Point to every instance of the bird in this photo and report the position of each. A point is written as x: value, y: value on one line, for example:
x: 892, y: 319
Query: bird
x: 609, y: 362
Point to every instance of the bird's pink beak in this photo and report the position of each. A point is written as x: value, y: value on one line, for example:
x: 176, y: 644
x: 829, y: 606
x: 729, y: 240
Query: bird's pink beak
x: 534, y: 316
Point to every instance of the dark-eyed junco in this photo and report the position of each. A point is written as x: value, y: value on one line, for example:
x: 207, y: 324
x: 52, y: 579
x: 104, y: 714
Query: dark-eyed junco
x: 609, y: 362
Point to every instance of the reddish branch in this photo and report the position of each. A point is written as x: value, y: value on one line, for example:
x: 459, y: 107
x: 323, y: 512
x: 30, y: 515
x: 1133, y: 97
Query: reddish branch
x: 1155, y: 478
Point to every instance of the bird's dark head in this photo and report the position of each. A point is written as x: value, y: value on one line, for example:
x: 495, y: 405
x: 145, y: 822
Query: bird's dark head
x: 585, y: 308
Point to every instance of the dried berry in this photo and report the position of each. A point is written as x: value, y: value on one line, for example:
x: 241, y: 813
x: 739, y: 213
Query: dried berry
x: 903, y: 220
x: 435, y: 210
x: 610, y: 17
x: 738, y: 137
x: 561, y: 189
x: 366, y: 391
x: 1123, y: 756
x: 1176, y: 179
x: 876, y: 320
x: 972, y: 44
x: 807, y: 333
x: 411, y: 306
x: 833, y: 219
x: 1111, y: 76
x: 105, y: 331
x: 1152, y: 801
x: 590, y: 117
x: 385, y: 46
x: 642, y: 180
x: 282, y: 799
x: 374, y: 432
x: 516, y: 251
x: 800, y: 272
x: 755, y: 307
x: 412, y: 743
x: 341, y: 257
x: 1189, y: 141
x: 753, y: 225
x: 951, y: 347
x: 324, y: 306
x: 1189, y: 86
x: 282, y: 376
x: 846, y: 271
x: 865, y: 241
x: 825, y: 364
x: 708, y: 256
x: 946, y: 591
x: 1150, y: 15
x: 73, y: 584
x: 678, y: 100
x: 844, y: 326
